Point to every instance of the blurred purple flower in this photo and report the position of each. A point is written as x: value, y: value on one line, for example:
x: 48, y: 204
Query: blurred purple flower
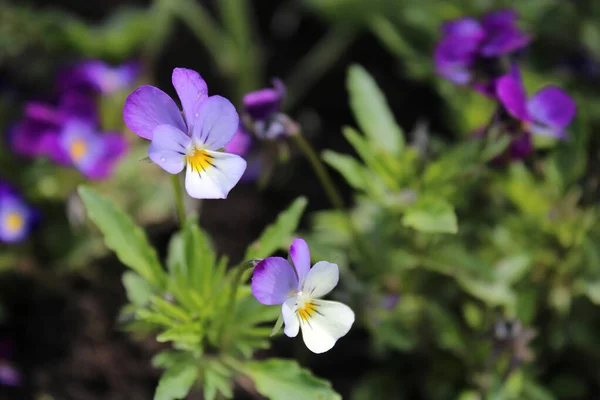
x: 548, y: 112
x: 468, y: 45
x: 93, y: 153
x: 100, y: 76
x: 16, y: 217
x: 262, y: 107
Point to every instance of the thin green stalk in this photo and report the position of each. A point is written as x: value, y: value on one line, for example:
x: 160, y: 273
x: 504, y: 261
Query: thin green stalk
x: 319, y: 59
x: 320, y: 170
x: 230, y: 308
x: 179, y: 205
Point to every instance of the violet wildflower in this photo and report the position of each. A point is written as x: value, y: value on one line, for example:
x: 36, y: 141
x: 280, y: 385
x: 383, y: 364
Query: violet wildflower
x: 16, y: 217
x: 469, y: 48
x: 548, y: 112
x: 94, y: 154
x: 263, y: 110
x: 298, y: 289
x: 100, y: 76
x: 209, y: 124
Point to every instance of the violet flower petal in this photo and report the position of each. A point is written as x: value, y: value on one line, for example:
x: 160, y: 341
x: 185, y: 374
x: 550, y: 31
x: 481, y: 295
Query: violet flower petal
x: 115, y: 147
x: 273, y: 281
x: 216, y: 122
x: 511, y: 94
x: 552, y: 106
x: 191, y: 89
x: 300, y: 255
x: 264, y: 102
x: 147, y: 107
x: 168, y: 148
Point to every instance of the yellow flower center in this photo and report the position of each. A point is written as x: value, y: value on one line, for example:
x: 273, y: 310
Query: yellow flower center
x: 306, y: 310
x: 78, y: 150
x: 14, y: 222
x: 199, y: 160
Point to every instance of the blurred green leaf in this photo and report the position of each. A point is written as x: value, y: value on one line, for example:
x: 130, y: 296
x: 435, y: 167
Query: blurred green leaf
x: 432, y: 216
x: 277, y: 235
x: 123, y: 236
x: 372, y: 112
x: 280, y: 379
x: 176, y: 382
x: 138, y: 289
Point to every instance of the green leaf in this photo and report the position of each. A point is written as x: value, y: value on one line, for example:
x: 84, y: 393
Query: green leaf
x: 200, y: 258
x: 431, y: 216
x: 372, y: 111
x: 277, y: 326
x: 123, y: 236
x: 138, y: 289
x: 277, y: 235
x: 280, y: 379
x: 176, y: 382
x: 512, y: 269
x: 189, y: 333
x: 354, y: 172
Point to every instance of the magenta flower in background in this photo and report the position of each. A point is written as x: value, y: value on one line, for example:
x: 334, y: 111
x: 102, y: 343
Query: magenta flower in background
x: 548, y: 112
x: 464, y: 53
x: 16, y: 217
x: 93, y: 153
x: 100, y: 76
x: 209, y: 124
x: 298, y: 289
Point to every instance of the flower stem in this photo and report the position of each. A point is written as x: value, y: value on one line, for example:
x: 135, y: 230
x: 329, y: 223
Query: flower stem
x: 238, y: 273
x: 320, y: 170
x: 179, y: 205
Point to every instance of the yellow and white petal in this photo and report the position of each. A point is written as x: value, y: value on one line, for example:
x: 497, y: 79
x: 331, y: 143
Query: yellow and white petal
x: 290, y: 318
x: 321, y: 279
x: 212, y: 174
x: 327, y: 321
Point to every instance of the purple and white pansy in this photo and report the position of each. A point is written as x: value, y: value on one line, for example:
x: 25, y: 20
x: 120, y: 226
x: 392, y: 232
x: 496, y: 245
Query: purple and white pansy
x: 193, y: 141
x: 299, y: 288
x: 16, y: 217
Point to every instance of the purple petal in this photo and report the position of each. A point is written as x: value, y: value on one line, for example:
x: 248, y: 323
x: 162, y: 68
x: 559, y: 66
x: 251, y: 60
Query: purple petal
x: 454, y: 59
x: 240, y: 144
x: 499, y: 19
x: 262, y: 103
x: 467, y: 28
x: 147, y: 107
x: 81, y: 141
x: 115, y: 147
x: 502, y: 34
x: 191, y: 89
x: 552, y: 106
x: 99, y: 76
x: 16, y: 218
x: 300, y: 254
x: 51, y: 142
x: 216, y: 122
x: 511, y: 94
x: 520, y: 147
x: 168, y: 148
x: 273, y: 281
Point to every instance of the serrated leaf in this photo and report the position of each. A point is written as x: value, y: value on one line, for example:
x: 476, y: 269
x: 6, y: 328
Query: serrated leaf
x: 431, y: 216
x: 169, y: 309
x: 176, y: 382
x: 138, y: 289
x: 279, y: 379
x: 276, y: 235
x: 188, y: 333
x: 372, y: 111
x: 123, y: 236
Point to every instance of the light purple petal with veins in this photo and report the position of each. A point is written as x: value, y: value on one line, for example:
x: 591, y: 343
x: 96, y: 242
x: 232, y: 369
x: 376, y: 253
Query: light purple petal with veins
x: 273, y: 281
x: 216, y: 123
x: 147, y: 107
x: 168, y: 148
x: 300, y: 255
x: 552, y: 106
x: 191, y: 89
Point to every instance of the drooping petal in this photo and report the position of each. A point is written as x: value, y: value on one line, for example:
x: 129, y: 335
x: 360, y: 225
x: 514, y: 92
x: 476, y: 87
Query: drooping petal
x: 321, y: 279
x: 264, y: 102
x: 273, y: 280
x: 330, y: 321
x: 552, y: 106
x: 147, y: 107
x: 191, y: 89
x: 511, y: 93
x: 216, y: 122
x: 213, y: 174
x: 300, y: 255
x: 168, y: 148
x: 290, y: 319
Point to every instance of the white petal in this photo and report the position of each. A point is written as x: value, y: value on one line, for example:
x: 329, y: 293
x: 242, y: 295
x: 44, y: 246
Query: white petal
x: 217, y: 180
x: 291, y: 320
x: 326, y: 325
x: 321, y: 279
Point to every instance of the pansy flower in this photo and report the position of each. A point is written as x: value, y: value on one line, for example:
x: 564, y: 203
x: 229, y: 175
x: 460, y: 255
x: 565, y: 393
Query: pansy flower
x: 93, y: 153
x: 263, y: 107
x: 548, y: 112
x: 16, y: 217
x: 469, y: 48
x: 193, y: 141
x: 299, y: 289
x: 100, y: 76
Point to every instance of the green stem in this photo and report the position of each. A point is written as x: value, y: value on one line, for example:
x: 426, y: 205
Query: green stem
x: 320, y: 58
x: 238, y: 274
x: 317, y: 165
x: 179, y: 205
